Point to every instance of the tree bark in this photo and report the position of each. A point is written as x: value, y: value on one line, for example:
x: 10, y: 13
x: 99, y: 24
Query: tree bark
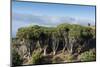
x: 54, y: 52
x: 55, y: 43
x: 44, y: 51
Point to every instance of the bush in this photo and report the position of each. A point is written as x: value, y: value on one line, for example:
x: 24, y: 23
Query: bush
x: 16, y: 60
x: 69, y: 57
x: 36, y: 57
x: 56, y: 59
x: 87, y: 56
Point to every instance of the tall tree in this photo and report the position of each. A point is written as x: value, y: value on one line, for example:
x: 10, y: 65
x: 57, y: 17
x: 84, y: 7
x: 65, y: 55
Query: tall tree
x: 43, y: 40
x: 55, y: 42
x: 65, y: 33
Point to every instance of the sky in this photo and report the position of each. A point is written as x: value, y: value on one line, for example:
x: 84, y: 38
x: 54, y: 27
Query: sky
x: 47, y: 14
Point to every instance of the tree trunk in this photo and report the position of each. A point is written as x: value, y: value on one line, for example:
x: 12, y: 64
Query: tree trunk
x: 54, y: 52
x: 66, y: 45
x: 71, y: 50
x: 55, y: 44
x: 72, y: 41
x: 66, y: 39
x: 64, y: 49
x: 44, y: 51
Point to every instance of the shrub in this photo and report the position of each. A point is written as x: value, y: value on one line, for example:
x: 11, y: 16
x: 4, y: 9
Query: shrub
x: 87, y: 56
x: 69, y: 57
x: 16, y: 60
x: 56, y: 59
x: 36, y: 57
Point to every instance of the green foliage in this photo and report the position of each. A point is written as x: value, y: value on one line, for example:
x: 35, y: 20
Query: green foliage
x: 69, y: 57
x: 44, y: 34
x: 36, y: 57
x: 33, y: 32
x: 43, y: 37
x: 16, y: 59
x: 73, y: 29
x: 28, y: 32
x: 86, y: 33
x: 55, y: 59
x: 87, y: 56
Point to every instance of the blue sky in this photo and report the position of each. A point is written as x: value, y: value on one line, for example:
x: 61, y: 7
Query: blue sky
x: 26, y: 13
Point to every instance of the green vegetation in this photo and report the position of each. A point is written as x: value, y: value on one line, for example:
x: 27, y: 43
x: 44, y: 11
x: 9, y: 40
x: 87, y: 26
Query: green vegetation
x: 87, y: 56
x: 36, y: 56
x: 69, y: 57
x: 65, y: 39
x: 16, y: 58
